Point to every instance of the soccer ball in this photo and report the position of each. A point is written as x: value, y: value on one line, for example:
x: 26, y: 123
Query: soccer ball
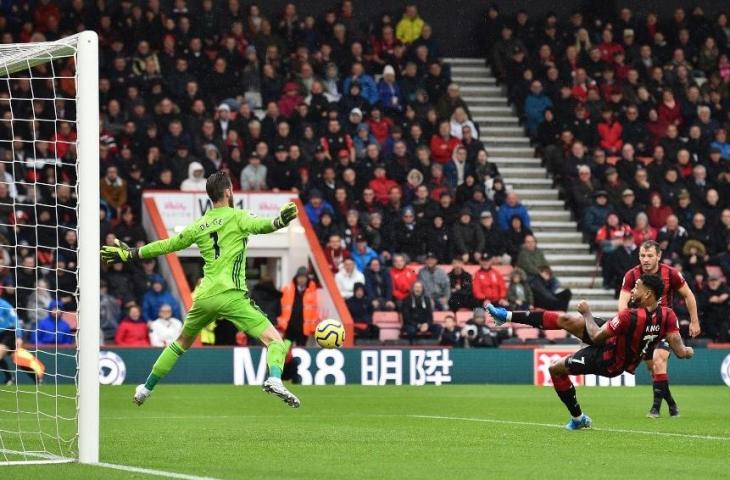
x: 330, y: 333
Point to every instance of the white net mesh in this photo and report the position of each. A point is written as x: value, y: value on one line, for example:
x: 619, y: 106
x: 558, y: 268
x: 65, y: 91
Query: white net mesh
x: 38, y: 252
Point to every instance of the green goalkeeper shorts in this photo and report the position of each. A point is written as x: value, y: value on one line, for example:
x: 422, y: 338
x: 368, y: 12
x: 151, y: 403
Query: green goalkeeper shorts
x: 232, y: 305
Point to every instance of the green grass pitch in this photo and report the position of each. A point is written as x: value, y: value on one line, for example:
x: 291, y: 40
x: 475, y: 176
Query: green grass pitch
x: 353, y: 432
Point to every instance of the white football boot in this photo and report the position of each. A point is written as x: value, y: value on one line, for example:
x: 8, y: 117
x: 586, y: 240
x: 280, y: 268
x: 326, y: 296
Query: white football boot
x: 141, y: 394
x: 275, y: 387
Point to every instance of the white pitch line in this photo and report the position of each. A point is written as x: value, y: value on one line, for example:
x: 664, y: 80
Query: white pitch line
x: 149, y: 471
x: 550, y: 425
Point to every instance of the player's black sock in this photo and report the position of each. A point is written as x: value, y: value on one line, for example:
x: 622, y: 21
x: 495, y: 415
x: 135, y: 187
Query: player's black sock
x: 661, y: 391
x: 570, y: 399
x: 566, y: 392
x: 668, y: 395
x: 533, y: 319
x: 658, y: 394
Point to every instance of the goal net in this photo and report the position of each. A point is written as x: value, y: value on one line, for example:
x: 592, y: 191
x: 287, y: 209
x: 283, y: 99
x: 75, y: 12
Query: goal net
x: 49, y: 314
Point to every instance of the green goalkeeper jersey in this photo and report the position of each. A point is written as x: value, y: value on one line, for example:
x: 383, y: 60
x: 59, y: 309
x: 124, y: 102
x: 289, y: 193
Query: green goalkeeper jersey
x: 221, y: 235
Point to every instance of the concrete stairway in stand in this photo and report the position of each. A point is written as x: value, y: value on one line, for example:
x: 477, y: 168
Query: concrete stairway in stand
x: 509, y: 148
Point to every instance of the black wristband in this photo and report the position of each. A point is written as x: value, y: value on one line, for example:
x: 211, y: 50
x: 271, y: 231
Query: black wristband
x: 134, y: 253
x: 278, y: 223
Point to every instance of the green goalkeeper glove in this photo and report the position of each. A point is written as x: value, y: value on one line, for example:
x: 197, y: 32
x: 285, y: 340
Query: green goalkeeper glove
x: 287, y: 213
x: 120, y: 252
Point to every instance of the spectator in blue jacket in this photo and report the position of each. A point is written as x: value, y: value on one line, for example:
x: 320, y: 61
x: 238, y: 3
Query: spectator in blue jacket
x: 156, y: 297
x: 721, y: 143
x: 510, y: 208
x: 535, y: 105
x: 316, y: 206
x: 368, y: 88
x: 594, y: 216
x: 389, y: 94
x: 457, y: 169
x: 362, y: 254
x: 53, y: 329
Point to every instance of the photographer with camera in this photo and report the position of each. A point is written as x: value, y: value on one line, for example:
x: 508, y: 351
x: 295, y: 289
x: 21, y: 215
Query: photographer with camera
x: 476, y: 333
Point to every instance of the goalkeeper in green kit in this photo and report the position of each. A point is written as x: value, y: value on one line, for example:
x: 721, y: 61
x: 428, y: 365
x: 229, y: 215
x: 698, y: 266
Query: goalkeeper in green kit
x: 221, y: 234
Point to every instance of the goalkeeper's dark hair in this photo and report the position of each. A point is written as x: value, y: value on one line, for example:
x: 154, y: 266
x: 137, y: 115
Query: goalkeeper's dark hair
x: 653, y: 283
x: 217, y: 185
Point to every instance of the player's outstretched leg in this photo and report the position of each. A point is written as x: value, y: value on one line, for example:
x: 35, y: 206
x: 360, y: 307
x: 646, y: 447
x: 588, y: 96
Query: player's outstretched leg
x: 573, y: 323
x: 276, y: 350
x: 167, y: 359
x: 566, y: 392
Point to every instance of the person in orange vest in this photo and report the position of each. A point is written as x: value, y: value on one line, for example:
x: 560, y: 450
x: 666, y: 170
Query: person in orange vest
x: 299, y: 309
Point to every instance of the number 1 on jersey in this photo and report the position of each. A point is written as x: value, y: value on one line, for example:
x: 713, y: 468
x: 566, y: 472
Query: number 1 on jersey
x: 216, y: 248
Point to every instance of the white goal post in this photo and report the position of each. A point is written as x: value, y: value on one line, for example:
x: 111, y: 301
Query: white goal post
x: 56, y: 420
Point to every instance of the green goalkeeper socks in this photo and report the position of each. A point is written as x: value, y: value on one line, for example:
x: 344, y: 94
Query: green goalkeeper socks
x: 164, y: 364
x: 275, y: 355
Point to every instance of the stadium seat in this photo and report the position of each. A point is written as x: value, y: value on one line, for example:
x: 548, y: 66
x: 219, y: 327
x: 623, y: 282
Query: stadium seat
x: 555, y: 334
x: 440, y: 317
x: 386, y: 319
x: 463, y: 316
x: 528, y: 333
x: 389, y: 334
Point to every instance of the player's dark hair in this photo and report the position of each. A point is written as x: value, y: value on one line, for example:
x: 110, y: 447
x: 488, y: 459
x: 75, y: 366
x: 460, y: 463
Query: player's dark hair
x: 652, y: 244
x: 217, y: 185
x: 653, y: 283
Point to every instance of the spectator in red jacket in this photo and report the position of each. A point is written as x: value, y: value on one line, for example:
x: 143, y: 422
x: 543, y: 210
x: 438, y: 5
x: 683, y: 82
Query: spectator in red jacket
x: 381, y: 184
x: 379, y: 125
x: 133, y: 330
x: 669, y: 112
x: 443, y: 144
x: 335, y: 252
x: 610, y: 132
x: 608, y: 47
x: 403, y: 278
x: 658, y: 212
x: 489, y: 284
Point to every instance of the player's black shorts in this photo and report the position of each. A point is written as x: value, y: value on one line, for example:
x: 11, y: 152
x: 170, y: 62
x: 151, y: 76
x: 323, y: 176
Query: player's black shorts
x: 661, y: 345
x: 589, y: 360
x: 7, y: 338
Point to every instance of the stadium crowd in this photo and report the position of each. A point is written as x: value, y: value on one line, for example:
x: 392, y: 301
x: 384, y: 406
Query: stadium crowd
x: 360, y: 117
x: 631, y: 115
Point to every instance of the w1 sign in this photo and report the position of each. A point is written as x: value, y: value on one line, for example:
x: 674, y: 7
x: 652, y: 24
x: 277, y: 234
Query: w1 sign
x: 178, y: 209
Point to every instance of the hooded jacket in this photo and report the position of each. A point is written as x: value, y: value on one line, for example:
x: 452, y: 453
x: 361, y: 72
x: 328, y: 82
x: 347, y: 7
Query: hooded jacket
x: 152, y: 301
x: 193, y: 183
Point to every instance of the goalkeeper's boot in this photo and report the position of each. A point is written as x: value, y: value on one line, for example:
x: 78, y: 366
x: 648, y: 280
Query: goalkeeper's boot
x: 499, y: 314
x: 653, y: 413
x: 583, y: 422
x: 141, y: 393
x: 274, y: 386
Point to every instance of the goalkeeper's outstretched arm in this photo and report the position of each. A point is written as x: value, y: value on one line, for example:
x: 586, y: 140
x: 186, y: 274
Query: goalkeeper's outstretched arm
x: 121, y: 252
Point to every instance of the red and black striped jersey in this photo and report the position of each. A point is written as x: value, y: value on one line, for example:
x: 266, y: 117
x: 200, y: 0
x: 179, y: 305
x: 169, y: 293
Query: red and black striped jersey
x: 671, y: 278
x: 636, y: 333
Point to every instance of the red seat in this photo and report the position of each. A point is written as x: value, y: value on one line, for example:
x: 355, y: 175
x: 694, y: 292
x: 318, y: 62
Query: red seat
x: 389, y: 333
x: 463, y: 316
x: 528, y: 333
x: 555, y: 334
x: 440, y: 317
x: 386, y: 319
